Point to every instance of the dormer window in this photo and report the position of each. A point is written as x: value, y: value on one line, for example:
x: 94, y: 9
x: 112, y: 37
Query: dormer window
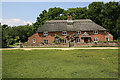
x: 95, y: 32
x: 78, y: 32
x: 45, y: 33
x: 64, y: 33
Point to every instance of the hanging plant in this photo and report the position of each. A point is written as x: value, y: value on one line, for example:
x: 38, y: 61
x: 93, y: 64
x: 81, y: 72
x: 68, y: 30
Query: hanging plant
x: 59, y: 37
x: 71, y: 37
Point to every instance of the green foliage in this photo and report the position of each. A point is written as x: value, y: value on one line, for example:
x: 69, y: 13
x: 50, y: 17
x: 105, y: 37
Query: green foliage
x: 71, y: 37
x: 42, y: 43
x: 21, y: 46
x: 115, y: 41
x: 53, y: 41
x: 11, y: 35
x: 58, y: 36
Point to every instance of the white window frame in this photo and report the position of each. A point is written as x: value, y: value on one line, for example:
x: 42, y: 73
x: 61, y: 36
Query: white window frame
x: 78, y: 32
x: 34, y: 40
x: 46, y: 41
x: 63, y: 33
x: 45, y: 33
x: 64, y: 41
x: 57, y: 40
x: 78, y: 40
x: 96, y: 39
x: 95, y: 32
x: 107, y: 38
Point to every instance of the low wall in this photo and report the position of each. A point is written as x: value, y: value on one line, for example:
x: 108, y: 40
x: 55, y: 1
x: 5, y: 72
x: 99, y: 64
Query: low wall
x: 66, y: 45
x: 45, y: 45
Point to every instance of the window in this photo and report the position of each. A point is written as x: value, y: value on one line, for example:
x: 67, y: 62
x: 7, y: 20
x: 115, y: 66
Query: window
x: 64, y: 33
x: 64, y: 41
x: 95, y: 39
x: 46, y: 41
x: 107, y: 39
x: 78, y: 32
x: 78, y: 40
x: 33, y: 40
x: 95, y: 32
x: 45, y: 33
x: 57, y: 41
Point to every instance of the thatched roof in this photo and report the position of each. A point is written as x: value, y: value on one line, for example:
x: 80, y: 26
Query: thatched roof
x: 72, y: 25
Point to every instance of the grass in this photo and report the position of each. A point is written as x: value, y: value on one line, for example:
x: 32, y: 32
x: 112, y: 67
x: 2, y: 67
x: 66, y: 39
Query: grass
x: 60, y: 64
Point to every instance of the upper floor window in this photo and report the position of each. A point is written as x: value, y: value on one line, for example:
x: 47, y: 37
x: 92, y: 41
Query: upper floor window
x: 78, y: 32
x: 45, y: 33
x: 95, y: 32
x: 46, y: 41
x: 64, y: 33
x: 78, y: 40
x: 107, y: 39
x: 95, y: 39
x: 33, y: 40
x: 64, y: 41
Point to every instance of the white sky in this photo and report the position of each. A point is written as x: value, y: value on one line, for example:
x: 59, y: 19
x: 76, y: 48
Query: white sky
x: 57, y: 0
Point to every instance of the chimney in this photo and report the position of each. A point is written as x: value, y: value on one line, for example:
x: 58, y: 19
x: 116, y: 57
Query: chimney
x: 69, y: 17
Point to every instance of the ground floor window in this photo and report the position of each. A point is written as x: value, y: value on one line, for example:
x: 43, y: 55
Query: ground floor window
x: 33, y: 40
x: 57, y: 41
x: 78, y: 40
x: 95, y: 39
x: 46, y: 41
x: 64, y: 41
x: 107, y: 39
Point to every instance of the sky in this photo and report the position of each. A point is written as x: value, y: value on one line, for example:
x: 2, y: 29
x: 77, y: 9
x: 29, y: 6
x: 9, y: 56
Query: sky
x: 22, y: 13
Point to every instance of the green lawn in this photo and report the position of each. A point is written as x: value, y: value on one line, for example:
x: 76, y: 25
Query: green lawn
x: 60, y: 64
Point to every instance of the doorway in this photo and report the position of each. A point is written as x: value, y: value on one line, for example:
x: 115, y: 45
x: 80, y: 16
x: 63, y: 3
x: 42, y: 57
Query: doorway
x: 85, y: 39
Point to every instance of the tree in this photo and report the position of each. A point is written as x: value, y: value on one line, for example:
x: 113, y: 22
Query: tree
x: 71, y: 38
x: 118, y: 28
x: 94, y: 12
x: 77, y: 13
x: 110, y: 13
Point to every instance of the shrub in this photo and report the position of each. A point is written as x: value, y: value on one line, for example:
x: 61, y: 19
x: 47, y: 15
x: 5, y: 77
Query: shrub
x: 115, y: 41
x: 21, y: 46
x: 42, y: 43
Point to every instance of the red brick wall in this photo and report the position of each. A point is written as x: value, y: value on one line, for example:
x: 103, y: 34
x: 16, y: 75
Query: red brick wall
x: 40, y: 38
x: 66, y: 45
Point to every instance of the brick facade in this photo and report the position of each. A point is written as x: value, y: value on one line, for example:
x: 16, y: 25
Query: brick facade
x: 39, y: 37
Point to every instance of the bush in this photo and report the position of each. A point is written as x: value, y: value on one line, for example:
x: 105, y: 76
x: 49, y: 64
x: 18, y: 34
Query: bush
x: 42, y: 43
x: 21, y: 46
x: 115, y: 41
x: 26, y: 42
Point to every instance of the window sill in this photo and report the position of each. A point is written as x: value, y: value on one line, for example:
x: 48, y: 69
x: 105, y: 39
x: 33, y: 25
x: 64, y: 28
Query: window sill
x: 45, y: 35
x: 64, y: 34
x: 95, y: 41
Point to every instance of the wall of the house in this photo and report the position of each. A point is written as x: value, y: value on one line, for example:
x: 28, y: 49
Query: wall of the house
x: 39, y: 37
